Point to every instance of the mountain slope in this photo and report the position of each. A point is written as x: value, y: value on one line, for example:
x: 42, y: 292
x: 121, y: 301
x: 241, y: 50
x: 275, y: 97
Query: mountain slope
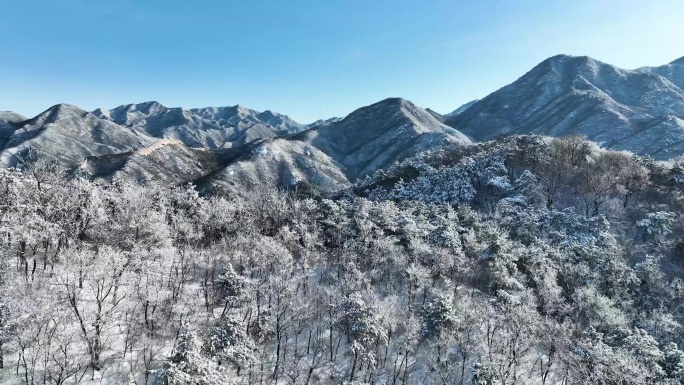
x: 9, y: 122
x: 11, y: 117
x: 376, y: 136
x: 212, y: 127
x: 321, y: 122
x: 461, y: 109
x: 674, y: 72
x: 278, y: 161
x: 67, y: 134
x: 167, y: 160
x: 333, y: 155
x: 638, y: 110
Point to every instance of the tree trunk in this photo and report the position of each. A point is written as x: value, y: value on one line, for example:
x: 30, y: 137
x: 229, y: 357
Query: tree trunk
x: 331, y: 336
x: 353, y: 369
x: 308, y: 376
x: 22, y: 254
x: 33, y: 270
x: 464, y: 358
x: 406, y: 356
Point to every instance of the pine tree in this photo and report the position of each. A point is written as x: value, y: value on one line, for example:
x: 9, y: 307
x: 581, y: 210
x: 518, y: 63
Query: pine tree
x: 437, y: 316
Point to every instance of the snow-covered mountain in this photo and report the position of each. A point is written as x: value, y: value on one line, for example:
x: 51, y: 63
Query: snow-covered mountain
x: 321, y: 122
x: 9, y: 122
x: 167, y: 160
x: 146, y: 140
x: 640, y: 110
x: 376, y: 136
x: 277, y: 161
x: 332, y: 155
x: 9, y: 117
x: 68, y: 134
x: 461, y: 109
x: 212, y: 127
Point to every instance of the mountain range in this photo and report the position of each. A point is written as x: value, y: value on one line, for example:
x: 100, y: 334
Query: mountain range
x: 226, y: 147
x: 639, y: 110
x: 221, y: 127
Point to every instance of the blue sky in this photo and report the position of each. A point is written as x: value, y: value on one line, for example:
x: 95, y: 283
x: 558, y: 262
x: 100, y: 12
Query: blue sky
x: 309, y: 59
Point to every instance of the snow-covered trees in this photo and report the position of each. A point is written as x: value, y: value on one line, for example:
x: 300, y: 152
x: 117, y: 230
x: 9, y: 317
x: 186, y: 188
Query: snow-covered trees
x: 230, y: 287
x: 357, y: 322
x: 437, y: 316
x: 228, y: 342
x: 673, y: 361
x: 657, y: 225
x: 187, y: 366
x: 522, y: 260
x: 93, y: 294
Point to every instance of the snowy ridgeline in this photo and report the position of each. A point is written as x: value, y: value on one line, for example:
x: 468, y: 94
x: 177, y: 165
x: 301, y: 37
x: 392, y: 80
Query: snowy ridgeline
x: 226, y: 148
x: 519, y: 261
x: 639, y: 110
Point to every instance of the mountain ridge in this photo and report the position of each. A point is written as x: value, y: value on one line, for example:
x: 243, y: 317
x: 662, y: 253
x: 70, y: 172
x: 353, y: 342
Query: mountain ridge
x: 461, y: 109
x: 334, y: 155
x: 360, y: 141
x: 620, y: 109
x: 679, y: 61
x: 67, y: 134
x: 147, y: 145
x: 212, y: 127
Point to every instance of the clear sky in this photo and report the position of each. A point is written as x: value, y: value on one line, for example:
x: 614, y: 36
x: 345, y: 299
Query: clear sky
x: 309, y: 59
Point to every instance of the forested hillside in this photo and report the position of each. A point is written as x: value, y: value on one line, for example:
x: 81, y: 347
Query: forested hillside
x: 525, y: 260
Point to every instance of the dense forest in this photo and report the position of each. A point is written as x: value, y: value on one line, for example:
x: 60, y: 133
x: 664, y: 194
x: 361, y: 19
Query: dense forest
x: 523, y: 260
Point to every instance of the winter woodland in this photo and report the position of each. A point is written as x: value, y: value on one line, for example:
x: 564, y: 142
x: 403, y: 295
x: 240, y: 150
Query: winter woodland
x: 522, y: 260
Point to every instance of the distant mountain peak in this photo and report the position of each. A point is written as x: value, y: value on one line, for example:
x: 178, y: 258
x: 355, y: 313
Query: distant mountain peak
x: 239, y: 107
x: 559, y: 57
x: 145, y: 107
x: 11, y: 117
x: 268, y: 114
x: 375, y: 136
x: 394, y: 105
x: 150, y: 104
x: 64, y: 107
x: 580, y: 62
x: 61, y: 111
x: 564, y: 57
x: 392, y: 102
x: 102, y: 113
x: 227, y: 110
x: 679, y: 61
x: 461, y: 109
